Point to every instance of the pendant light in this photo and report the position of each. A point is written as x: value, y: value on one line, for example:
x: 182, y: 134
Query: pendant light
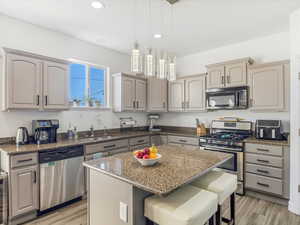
x: 162, y: 66
x: 172, y: 59
x: 136, y: 58
x: 149, y: 63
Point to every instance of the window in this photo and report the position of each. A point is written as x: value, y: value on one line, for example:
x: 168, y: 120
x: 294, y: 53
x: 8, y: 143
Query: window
x: 88, y: 85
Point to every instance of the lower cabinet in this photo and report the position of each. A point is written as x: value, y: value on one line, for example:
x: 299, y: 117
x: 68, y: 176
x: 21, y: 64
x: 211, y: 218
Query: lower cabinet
x: 24, y: 190
x: 182, y: 141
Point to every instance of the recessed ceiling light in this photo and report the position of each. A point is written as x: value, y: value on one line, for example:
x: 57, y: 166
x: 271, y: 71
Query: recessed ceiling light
x: 97, y: 5
x: 157, y: 36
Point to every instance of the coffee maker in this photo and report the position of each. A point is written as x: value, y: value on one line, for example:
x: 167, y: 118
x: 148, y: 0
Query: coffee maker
x: 152, y: 118
x: 45, y: 131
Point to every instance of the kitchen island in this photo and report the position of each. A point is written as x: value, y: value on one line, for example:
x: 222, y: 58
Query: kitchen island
x: 117, y: 185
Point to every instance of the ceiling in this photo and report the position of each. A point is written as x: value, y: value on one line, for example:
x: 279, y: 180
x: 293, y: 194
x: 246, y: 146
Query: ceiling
x: 198, y: 25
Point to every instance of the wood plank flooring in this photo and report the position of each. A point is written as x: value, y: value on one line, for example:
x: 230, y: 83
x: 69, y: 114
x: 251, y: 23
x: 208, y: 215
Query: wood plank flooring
x: 249, y: 211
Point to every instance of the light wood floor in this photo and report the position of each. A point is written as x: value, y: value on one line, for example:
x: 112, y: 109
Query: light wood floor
x: 249, y: 211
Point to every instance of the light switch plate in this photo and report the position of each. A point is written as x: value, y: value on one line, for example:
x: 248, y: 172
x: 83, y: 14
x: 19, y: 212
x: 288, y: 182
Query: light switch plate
x: 124, y: 212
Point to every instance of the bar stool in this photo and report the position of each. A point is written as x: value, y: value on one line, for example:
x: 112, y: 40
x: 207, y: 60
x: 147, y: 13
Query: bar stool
x: 224, y: 185
x: 188, y: 205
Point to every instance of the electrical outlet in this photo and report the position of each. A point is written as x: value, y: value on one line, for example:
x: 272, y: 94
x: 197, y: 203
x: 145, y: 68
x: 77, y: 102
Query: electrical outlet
x: 124, y: 212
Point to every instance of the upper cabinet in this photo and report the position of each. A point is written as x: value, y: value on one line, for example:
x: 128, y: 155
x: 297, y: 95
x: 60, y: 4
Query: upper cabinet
x: 129, y: 93
x: 187, y: 94
x: 269, y: 86
x: 157, y: 95
x: 228, y: 74
x: 34, y: 82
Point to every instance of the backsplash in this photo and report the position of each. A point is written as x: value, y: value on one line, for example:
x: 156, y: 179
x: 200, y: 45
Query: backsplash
x: 188, y: 119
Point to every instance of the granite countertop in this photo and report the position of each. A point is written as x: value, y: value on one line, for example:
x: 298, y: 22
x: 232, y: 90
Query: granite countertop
x: 178, y: 166
x: 13, y: 149
x: 266, y: 142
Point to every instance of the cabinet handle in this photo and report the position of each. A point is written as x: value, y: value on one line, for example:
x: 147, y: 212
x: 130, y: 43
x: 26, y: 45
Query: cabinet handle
x: 110, y: 146
x: 46, y: 100
x: 140, y: 141
x: 228, y: 79
x: 24, y: 160
x: 263, y: 150
x: 34, y: 176
x: 262, y: 171
x: 262, y: 184
x: 264, y: 161
x: 133, y: 103
x: 183, y: 141
x: 38, y: 100
x: 137, y: 104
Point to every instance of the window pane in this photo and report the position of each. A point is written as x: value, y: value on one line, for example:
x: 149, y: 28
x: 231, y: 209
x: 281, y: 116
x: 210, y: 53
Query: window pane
x: 77, y: 82
x: 97, y: 85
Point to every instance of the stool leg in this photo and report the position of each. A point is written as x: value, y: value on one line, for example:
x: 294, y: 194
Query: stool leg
x: 232, y: 208
x: 218, y: 216
x: 211, y: 221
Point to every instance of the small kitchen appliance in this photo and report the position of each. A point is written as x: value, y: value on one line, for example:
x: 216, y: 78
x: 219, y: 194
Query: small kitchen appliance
x: 227, y: 98
x: 22, y: 136
x: 269, y: 129
x: 227, y: 137
x: 45, y: 131
x: 152, y: 118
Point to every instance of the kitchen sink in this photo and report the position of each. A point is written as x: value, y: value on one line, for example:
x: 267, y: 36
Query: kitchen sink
x: 98, y: 138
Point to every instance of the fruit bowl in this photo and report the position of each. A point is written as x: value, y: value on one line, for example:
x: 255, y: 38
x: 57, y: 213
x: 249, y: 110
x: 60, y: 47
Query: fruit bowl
x: 149, y: 162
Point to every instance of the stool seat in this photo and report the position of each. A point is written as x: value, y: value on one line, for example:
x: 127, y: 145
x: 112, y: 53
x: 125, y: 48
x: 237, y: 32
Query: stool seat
x: 188, y: 205
x: 219, y: 182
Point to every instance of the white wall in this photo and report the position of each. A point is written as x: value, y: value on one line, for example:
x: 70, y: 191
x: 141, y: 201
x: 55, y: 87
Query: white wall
x: 266, y: 49
x: 24, y: 36
x: 294, y: 204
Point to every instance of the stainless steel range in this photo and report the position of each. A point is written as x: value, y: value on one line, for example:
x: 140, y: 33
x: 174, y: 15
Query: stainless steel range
x: 228, y: 136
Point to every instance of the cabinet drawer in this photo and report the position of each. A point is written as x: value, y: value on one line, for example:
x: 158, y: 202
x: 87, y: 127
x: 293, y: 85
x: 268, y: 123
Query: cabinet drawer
x: 105, y: 146
x: 264, y: 170
x: 113, y: 152
x: 139, y: 140
x: 139, y: 147
x: 264, y: 160
x: 183, y: 140
x: 24, y: 160
x: 261, y: 183
x: 265, y: 149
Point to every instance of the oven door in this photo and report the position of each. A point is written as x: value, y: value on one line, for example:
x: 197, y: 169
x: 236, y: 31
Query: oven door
x: 221, y: 99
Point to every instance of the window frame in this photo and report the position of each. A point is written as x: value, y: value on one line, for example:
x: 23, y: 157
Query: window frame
x: 88, y: 65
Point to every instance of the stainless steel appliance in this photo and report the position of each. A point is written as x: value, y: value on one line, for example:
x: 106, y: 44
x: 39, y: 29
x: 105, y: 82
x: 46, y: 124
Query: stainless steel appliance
x: 45, y: 131
x: 152, y: 118
x: 227, y: 98
x: 61, y: 176
x: 269, y: 129
x: 228, y: 136
x: 22, y: 136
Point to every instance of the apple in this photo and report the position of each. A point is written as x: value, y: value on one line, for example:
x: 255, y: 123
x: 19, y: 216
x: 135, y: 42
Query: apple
x: 147, y: 151
x: 146, y: 157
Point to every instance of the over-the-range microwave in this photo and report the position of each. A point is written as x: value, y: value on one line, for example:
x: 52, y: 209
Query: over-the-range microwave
x: 227, y: 98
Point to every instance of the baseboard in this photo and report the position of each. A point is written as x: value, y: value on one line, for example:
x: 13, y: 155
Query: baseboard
x: 269, y: 198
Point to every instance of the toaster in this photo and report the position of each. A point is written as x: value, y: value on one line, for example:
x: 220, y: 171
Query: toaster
x: 269, y: 129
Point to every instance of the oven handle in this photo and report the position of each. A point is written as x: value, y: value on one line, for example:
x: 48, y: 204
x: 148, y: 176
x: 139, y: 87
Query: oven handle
x: 223, y: 149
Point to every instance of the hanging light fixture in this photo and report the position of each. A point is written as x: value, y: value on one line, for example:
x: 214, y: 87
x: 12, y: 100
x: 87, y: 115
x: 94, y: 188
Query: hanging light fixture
x: 136, y: 57
x: 149, y: 63
x: 162, y: 66
x: 172, y: 59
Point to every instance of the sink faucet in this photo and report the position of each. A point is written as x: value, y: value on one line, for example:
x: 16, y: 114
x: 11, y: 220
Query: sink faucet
x: 92, y: 133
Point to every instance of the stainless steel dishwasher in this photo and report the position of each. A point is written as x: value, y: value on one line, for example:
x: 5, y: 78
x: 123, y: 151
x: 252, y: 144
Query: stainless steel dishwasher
x: 61, y: 176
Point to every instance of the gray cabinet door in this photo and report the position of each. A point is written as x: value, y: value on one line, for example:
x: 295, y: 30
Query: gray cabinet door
x: 267, y: 88
x: 55, y: 86
x: 23, y: 190
x: 236, y: 74
x: 128, y: 93
x: 157, y: 95
x: 195, y: 93
x: 23, y: 82
x: 140, y: 95
x: 176, y: 96
x: 216, y: 77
